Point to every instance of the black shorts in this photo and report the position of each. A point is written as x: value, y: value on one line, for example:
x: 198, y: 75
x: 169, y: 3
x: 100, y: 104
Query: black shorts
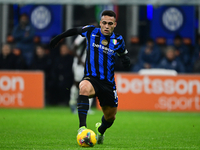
x: 104, y: 90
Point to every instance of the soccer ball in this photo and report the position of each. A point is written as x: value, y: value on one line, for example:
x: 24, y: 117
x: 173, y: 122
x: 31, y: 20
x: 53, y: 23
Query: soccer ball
x: 86, y: 138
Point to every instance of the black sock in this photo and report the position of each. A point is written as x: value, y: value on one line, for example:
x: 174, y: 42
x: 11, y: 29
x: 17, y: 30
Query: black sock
x: 104, y: 125
x: 83, y: 107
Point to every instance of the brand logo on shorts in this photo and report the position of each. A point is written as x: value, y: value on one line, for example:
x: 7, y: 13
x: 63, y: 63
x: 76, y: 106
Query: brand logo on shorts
x: 86, y: 78
x: 115, y: 94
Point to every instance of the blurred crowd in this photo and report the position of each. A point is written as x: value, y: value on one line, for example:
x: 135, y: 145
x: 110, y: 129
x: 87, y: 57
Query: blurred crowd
x: 57, y: 69
x: 181, y: 57
x: 23, y: 51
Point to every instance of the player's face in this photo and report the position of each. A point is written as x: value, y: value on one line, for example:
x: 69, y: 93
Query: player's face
x: 107, y: 24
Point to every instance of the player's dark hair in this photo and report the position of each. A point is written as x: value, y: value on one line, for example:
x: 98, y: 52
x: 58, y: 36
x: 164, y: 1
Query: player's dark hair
x: 108, y: 13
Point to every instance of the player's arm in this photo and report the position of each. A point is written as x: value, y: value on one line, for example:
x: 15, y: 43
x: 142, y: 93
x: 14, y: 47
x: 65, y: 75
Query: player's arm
x: 70, y: 32
x: 74, y: 31
x: 125, y: 59
x: 123, y: 55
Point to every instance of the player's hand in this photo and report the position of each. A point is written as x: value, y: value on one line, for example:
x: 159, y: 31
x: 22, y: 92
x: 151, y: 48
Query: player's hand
x: 55, y: 41
x: 125, y: 61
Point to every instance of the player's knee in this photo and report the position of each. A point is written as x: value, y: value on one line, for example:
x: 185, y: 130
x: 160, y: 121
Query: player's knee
x: 84, y: 89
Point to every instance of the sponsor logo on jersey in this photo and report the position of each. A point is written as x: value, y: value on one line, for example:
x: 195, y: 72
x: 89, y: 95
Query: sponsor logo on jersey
x: 105, y: 49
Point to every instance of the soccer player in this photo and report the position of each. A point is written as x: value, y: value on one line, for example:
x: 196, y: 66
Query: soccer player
x: 102, y: 46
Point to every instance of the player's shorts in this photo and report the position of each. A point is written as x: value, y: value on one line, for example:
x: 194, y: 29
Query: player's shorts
x: 104, y: 90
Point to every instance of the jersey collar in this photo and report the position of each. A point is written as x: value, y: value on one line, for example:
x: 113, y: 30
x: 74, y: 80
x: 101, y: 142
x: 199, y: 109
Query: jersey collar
x: 112, y: 36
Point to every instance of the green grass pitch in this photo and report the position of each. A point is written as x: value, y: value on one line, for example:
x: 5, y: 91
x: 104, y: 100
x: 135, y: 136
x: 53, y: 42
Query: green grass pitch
x: 56, y: 129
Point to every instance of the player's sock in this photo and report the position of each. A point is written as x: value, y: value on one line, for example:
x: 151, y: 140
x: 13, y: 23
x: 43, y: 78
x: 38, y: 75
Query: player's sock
x: 83, y: 106
x: 104, y: 125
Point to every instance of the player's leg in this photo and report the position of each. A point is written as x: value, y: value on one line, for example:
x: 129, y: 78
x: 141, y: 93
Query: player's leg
x: 106, y: 122
x: 109, y: 103
x: 86, y: 89
x: 108, y: 118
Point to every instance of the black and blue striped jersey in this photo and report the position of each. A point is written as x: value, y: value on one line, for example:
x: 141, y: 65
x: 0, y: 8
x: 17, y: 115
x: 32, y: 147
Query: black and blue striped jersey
x: 101, y: 51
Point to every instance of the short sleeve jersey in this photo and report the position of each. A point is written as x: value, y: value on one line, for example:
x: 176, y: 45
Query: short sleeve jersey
x: 101, y: 51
